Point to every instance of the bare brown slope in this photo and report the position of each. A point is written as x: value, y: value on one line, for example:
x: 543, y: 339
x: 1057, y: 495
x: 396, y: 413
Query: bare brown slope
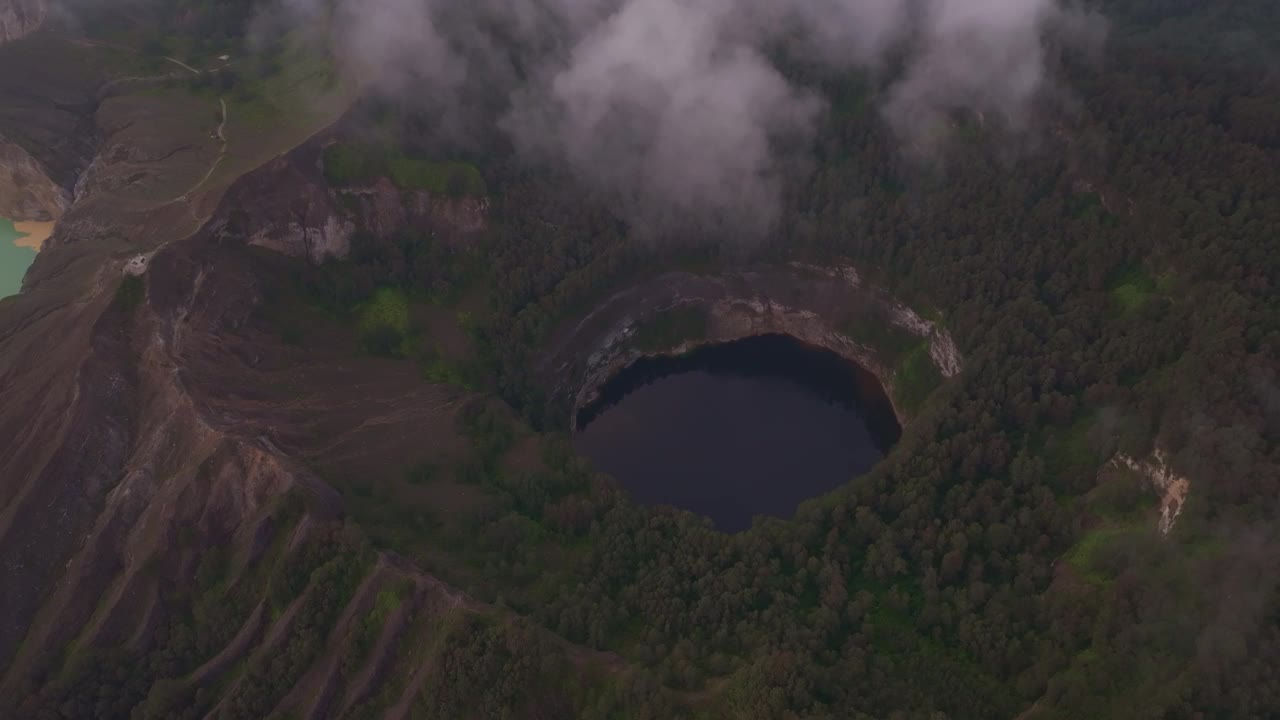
x: 68, y: 384
x: 129, y: 424
x: 48, y: 97
x: 140, y: 434
x: 221, y: 421
x: 142, y: 429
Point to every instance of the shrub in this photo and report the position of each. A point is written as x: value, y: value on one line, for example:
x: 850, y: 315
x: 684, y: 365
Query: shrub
x: 384, y: 323
x: 131, y: 293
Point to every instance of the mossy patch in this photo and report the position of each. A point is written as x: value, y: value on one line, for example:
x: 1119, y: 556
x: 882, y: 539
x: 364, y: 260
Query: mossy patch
x: 915, y: 378
x: 669, y: 329
x: 1102, y: 553
x: 1131, y: 290
x: 384, y: 323
x: 438, y: 368
x: 455, y: 179
x: 346, y: 165
x: 131, y: 292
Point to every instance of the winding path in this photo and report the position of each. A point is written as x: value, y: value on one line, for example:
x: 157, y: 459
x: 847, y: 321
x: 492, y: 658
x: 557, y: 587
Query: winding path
x: 181, y: 64
x: 220, y: 134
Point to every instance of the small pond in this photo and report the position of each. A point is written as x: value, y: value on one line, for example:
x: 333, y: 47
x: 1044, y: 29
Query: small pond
x: 735, y: 430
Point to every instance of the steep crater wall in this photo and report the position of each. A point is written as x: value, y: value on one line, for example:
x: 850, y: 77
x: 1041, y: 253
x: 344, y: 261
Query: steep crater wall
x: 19, y: 18
x: 26, y: 190
x: 48, y: 135
x: 828, y: 308
x: 290, y: 207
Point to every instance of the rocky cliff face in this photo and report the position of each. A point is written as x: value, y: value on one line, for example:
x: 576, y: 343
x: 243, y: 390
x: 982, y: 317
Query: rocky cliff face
x: 288, y: 207
x: 26, y: 190
x: 1172, y: 487
x: 19, y: 18
x: 47, y: 128
x: 386, y: 209
x: 808, y: 303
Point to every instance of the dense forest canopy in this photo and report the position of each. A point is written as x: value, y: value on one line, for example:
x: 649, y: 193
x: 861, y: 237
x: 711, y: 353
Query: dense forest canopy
x: 1112, y: 275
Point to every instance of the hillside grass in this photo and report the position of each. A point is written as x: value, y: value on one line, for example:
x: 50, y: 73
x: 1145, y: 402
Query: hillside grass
x: 384, y: 323
x: 347, y: 165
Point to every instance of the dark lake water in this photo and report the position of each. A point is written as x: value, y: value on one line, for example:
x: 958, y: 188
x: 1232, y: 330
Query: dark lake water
x: 747, y: 428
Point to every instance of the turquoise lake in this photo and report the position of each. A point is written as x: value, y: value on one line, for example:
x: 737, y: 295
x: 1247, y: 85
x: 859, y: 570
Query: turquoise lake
x: 14, y: 260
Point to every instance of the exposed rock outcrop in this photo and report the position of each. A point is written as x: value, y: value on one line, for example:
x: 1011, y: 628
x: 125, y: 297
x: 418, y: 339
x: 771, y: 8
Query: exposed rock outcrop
x: 26, y: 190
x: 19, y: 18
x: 47, y: 133
x: 1171, y: 486
x: 288, y: 206
x: 385, y: 209
x: 809, y: 303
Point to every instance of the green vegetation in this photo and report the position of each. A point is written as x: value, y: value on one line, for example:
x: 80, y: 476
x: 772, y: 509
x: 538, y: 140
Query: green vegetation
x: 1131, y: 290
x: 131, y: 292
x: 384, y: 323
x: 437, y: 368
x: 288, y: 84
x: 1089, y: 206
x: 669, y: 328
x: 1130, y: 297
x: 449, y: 178
x: 1069, y: 455
x: 368, y: 628
x: 915, y: 378
x: 347, y: 165
x: 1095, y: 555
x: 873, y: 329
x: 994, y: 565
x: 267, y: 677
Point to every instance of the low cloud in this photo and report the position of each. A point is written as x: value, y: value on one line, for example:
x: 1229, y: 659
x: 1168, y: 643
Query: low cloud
x: 677, y: 109
x: 658, y: 107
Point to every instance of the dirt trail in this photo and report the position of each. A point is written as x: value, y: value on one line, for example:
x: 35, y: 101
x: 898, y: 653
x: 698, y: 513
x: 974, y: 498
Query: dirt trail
x: 181, y: 64
x: 222, y: 125
x: 220, y: 134
x: 88, y: 42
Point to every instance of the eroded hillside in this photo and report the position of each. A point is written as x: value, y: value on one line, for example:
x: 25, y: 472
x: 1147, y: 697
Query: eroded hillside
x: 283, y: 404
x: 161, y: 438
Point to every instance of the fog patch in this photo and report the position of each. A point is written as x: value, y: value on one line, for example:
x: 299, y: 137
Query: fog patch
x: 677, y: 110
